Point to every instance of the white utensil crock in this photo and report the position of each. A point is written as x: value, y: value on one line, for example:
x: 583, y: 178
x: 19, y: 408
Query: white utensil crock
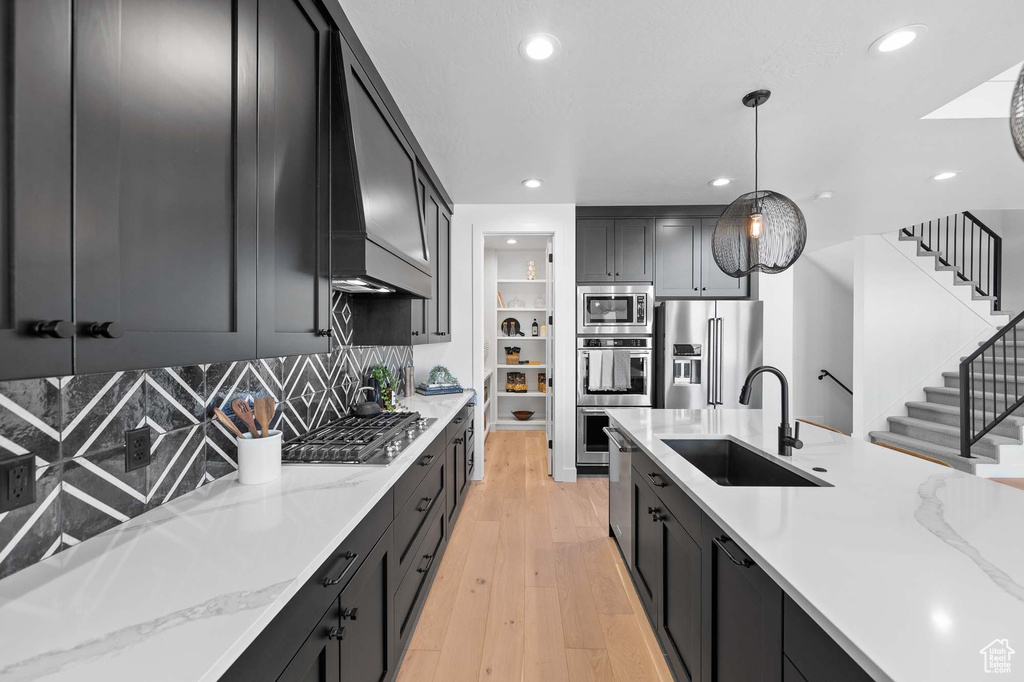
x: 259, y: 459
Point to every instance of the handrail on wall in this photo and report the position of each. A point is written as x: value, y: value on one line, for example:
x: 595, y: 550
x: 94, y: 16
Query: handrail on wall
x: 825, y: 373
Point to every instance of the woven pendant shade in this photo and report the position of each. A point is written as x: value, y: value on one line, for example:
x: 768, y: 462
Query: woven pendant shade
x: 1017, y: 115
x: 782, y: 239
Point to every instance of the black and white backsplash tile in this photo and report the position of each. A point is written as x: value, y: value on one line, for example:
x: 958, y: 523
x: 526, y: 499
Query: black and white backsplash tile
x: 74, y: 426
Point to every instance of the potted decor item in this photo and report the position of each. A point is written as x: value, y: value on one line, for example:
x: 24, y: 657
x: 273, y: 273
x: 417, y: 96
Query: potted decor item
x: 386, y: 383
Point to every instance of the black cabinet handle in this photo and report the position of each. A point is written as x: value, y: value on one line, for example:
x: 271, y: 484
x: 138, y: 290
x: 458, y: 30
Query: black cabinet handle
x: 658, y: 517
x: 657, y: 481
x: 325, y: 332
x: 430, y: 562
x: 105, y: 330
x: 426, y: 460
x: 617, y: 274
x: 54, y: 329
x: 349, y: 614
x: 415, y: 333
x: 745, y: 563
x: 650, y: 510
x: 351, y: 557
x: 336, y: 633
x: 425, y: 504
x: 696, y: 289
x: 609, y: 274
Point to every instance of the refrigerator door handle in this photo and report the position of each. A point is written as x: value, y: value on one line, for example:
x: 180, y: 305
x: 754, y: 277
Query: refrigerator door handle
x: 711, y: 361
x: 719, y: 333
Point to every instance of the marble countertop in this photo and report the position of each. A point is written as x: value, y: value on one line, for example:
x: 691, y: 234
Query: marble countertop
x: 912, y: 567
x: 181, y: 591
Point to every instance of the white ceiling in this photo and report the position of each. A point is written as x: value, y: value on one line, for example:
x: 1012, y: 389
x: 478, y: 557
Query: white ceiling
x: 991, y: 99
x: 642, y: 106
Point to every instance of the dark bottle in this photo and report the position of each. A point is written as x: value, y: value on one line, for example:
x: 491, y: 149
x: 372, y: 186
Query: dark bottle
x: 535, y: 329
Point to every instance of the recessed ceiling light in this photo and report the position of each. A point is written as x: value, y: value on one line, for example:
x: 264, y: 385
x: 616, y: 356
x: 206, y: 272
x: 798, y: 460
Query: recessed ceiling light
x: 823, y: 196
x: 946, y: 175
x: 532, y: 183
x: 720, y: 182
x: 539, y: 46
x: 898, y: 39
x: 510, y: 241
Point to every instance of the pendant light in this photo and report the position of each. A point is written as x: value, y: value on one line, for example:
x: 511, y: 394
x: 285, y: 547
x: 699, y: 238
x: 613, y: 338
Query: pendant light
x: 1017, y: 115
x: 762, y: 230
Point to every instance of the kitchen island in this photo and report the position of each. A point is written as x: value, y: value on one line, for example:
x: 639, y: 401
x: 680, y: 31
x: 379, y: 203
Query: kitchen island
x: 911, y: 568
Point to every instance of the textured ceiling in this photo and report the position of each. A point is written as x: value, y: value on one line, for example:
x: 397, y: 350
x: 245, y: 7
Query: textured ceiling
x: 642, y: 105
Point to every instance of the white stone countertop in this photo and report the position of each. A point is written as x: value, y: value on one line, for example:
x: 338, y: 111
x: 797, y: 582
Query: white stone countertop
x: 179, y: 592
x: 913, y: 568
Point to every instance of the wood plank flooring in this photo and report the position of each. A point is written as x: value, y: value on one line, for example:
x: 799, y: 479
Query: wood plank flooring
x: 531, y: 587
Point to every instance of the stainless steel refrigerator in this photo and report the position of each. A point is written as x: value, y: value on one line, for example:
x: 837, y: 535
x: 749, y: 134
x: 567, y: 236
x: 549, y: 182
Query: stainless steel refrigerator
x: 705, y: 350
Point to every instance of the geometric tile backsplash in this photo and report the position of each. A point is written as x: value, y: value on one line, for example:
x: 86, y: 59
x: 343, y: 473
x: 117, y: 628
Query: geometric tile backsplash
x: 74, y: 427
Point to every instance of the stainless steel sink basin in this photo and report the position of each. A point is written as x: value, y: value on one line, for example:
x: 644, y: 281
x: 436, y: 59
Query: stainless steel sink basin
x: 728, y: 463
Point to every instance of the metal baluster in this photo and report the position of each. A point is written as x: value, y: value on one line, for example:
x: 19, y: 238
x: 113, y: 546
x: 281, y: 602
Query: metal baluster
x: 1006, y: 375
x: 954, y: 243
x: 945, y: 254
x: 1016, y: 390
x: 972, y: 255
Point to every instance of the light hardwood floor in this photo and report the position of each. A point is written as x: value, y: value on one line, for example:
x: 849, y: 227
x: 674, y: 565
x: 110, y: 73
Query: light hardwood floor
x: 531, y: 587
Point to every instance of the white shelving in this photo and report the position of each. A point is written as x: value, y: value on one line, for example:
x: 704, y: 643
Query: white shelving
x: 528, y: 394
x: 522, y: 338
x: 521, y: 366
x: 522, y: 310
x: 522, y: 281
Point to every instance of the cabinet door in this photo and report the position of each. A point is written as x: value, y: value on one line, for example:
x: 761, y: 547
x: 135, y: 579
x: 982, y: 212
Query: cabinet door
x: 677, y: 257
x: 35, y: 174
x: 442, y: 303
x: 713, y: 282
x: 422, y: 309
x: 319, y: 657
x: 451, y: 484
x: 165, y: 193
x: 367, y: 608
x: 460, y: 462
x: 646, y: 545
x: 679, y: 615
x: 294, y: 179
x: 594, y: 248
x: 742, y: 619
x: 634, y: 250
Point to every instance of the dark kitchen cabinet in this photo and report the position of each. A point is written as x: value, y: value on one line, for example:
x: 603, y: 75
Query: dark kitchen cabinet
x: 293, y: 173
x: 319, y: 657
x: 431, y: 317
x: 443, y: 324
x: 811, y: 655
x: 452, y: 484
x: 646, y: 544
x: 367, y: 607
x: 713, y: 282
x: 679, y: 621
x: 742, y: 614
x: 165, y: 182
x: 595, y: 249
x: 36, y: 325
x: 685, y: 262
x: 634, y: 250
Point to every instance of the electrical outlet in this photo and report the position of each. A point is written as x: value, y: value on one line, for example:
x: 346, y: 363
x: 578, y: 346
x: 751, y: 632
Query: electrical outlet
x: 136, y: 449
x: 17, y: 482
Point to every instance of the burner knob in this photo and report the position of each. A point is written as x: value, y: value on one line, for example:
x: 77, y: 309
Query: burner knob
x: 422, y: 423
x: 410, y: 433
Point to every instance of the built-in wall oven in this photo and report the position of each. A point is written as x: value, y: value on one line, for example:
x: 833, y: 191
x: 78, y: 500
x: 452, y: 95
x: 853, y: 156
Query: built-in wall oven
x: 592, y: 451
x: 615, y: 309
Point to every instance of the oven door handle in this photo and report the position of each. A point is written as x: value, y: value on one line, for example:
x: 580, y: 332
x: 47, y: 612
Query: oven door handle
x: 591, y: 411
x: 608, y: 431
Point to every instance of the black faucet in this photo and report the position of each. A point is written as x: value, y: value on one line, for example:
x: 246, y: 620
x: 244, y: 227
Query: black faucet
x: 787, y: 439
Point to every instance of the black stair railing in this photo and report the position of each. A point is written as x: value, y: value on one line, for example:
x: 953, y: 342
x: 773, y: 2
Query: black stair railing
x: 990, y: 384
x: 825, y: 373
x: 969, y: 246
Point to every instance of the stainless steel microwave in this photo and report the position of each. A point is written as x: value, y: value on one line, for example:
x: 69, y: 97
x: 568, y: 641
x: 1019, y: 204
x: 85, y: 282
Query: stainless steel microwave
x: 615, y: 309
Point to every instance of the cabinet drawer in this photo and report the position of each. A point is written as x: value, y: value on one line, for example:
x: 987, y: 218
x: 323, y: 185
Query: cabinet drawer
x: 457, y: 423
x: 411, y: 479
x: 412, y: 520
x: 412, y: 590
x: 672, y: 496
x: 814, y: 653
x: 290, y: 628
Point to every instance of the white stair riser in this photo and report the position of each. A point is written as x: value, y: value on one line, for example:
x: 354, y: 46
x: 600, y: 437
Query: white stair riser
x: 954, y: 401
x: 939, y: 438
x: 1007, y: 429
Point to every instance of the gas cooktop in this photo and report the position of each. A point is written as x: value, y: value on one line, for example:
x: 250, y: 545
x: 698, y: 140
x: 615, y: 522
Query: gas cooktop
x: 372, y: 441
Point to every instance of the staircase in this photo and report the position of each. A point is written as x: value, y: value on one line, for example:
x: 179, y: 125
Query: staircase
x: 971, y: 254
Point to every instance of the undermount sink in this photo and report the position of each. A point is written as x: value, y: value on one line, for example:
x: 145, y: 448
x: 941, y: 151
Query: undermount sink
x: 728, y: 463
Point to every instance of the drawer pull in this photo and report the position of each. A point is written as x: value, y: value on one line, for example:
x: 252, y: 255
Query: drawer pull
x: 745, y: 563
x: 430, y: 561
x: 351, y: 557
x: 657, y: 480
x: 349, y: 614
x: 425, y: 504
x: 336, y: 633
x: 427, y: 460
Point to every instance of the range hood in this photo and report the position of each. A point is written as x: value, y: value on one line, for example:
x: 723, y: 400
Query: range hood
x: 379, y: 243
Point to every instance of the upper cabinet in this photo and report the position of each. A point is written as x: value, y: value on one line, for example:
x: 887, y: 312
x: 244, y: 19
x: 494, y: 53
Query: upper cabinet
x: 431, y: 317
x: 165, y: 182
x: 294, y: 179
x: 619, y: 250
x: 685, y: 263
x: 36, y: 324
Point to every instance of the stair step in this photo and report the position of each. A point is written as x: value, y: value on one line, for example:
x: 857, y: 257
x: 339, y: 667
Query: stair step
x: 948, y: 436
x: 948, y: 455
x: 941, y: 395
x: 1011, y: 427
x: 996, y: 356
x: 1009, y: 342
x: 952, y: 380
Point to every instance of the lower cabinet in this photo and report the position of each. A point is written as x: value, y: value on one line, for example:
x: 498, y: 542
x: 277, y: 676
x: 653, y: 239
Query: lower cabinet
x: 366, y: 613
x: 319, y: 657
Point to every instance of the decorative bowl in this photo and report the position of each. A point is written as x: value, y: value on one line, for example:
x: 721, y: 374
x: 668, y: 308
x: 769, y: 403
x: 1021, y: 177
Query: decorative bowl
x: 522, y: 415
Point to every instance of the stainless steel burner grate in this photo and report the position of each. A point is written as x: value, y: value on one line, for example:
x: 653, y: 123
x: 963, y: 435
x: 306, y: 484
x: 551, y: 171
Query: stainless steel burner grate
x: 357, y: 440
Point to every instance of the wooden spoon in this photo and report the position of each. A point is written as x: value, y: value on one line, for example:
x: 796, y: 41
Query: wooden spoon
x: 244, y: 412
x: 226, y: 421
x: 264, y: 410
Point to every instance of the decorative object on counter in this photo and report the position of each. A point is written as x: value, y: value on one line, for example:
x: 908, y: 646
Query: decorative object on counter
x: 369, y: 407
x: 522, y: 415
x: 510, y: 327
x: 762, y: 230
x: 263, y: 409
x: 226, y: 421
x: 1017, y: 115
x: 512, y: 355
x: 516, y: 302
x: 259, y: 459
x: 538, y: 302
x: 534, y: 328
x: 531, y: 269
x: 438, y: 389
x: 387, y: 385
x: 501, y: 301
x: 542, y: 382
x: 244, y: 412
x: 439, y: 374
x: 409, y: 382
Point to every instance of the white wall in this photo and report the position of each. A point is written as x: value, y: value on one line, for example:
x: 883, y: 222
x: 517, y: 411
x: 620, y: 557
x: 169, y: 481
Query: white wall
x: 823, y: 336
x: 908, y: 329
x: 1010, y: 226
x: 777, y: 293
